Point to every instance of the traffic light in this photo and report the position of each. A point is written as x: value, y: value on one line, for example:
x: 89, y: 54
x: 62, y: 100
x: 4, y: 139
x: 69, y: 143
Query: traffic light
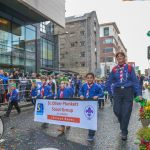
x: 148, y: 52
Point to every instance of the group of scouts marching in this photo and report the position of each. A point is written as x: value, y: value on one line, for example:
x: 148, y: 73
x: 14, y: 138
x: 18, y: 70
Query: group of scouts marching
x: 90, y: 89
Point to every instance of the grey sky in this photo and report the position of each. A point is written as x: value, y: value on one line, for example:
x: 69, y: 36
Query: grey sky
x: 132, y: 19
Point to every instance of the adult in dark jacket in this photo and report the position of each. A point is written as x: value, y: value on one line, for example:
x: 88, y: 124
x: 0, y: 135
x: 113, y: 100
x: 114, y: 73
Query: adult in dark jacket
x: 125, y: 87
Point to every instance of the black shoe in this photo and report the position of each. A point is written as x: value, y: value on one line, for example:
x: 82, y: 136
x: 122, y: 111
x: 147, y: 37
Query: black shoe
x: 90, y: 138
x: 5, y: 115
x: 124, y: 137
x: 45, y: 125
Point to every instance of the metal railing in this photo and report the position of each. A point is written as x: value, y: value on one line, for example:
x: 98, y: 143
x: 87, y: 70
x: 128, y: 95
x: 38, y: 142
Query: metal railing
x: 23, y: 88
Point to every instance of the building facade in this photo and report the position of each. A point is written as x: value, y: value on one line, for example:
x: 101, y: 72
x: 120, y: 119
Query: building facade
x: 27, y: 40
x: 110, y: 44
x: 79, y: 44
x: 147, y: 72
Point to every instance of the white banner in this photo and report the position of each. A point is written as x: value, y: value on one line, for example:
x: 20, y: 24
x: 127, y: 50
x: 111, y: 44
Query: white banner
x: 82, y: 114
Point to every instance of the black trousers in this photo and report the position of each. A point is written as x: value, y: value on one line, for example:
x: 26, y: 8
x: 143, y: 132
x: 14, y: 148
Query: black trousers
x: 1, y: 98
x: 10, y: 106
x: 91, y: 133
x: 123, y: 102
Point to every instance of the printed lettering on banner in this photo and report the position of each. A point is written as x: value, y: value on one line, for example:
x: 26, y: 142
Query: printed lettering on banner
x: 82, y: 114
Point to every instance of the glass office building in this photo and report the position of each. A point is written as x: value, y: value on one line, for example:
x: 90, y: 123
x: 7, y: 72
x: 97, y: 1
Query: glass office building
x: 27, y: 40
x: 17, y: 45
x: 20, y: 43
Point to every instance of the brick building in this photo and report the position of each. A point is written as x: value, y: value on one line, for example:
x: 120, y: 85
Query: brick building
x: 110, y: 43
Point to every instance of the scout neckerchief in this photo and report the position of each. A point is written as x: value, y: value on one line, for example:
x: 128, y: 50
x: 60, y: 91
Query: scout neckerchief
x: 121, y: 68
x: 139, y: 77
x: 42, y: 90
x: 88, y: 90
x: 61, y: 92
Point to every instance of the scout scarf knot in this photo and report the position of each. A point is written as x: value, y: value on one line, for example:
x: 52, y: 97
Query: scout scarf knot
x: 61, y: 93
x: 42, y: 91
x: 88, y: 90
x: 121, y: 68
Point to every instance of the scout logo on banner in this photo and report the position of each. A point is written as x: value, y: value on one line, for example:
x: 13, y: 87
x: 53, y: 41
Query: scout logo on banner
x: 40, y: 109
x: 82, y: 114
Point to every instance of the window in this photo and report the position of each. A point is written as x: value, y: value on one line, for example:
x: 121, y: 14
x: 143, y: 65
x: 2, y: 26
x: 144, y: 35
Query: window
x: 30, y: 46
x: 72, y: 44
x: 82, y: 64
x: 62, y: 56
x: 106, y: 31
x: 46, y: 53
x: 72, y: 33
x: 82, y: 33
x: 18, y: 44
x: 47, y: 27
x: 5, y: 33
x: 30, y: 40
x: 5, y: 41
x: 109, y: 59
x: 95, y: 23
x: 82, y: 22
x: 62, y: 65
x: 95, y: 34
x: 82, y: 54
x: 108, y: 50
x: 71, y: 23
x: 108, y: 41
x: 62, y: 45
x: 18, y: 38
x: 82, y: 43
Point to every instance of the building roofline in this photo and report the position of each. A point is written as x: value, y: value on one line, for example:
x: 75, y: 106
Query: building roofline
x: 79, y: 17
x: 111, y: 23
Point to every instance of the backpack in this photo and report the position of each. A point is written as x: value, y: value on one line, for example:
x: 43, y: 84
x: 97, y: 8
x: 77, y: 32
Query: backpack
x: 114, y: 70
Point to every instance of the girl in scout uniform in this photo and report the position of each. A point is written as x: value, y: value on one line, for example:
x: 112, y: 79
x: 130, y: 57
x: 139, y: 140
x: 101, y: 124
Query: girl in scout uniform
x: 45, y: 89
x: 63, y: 92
